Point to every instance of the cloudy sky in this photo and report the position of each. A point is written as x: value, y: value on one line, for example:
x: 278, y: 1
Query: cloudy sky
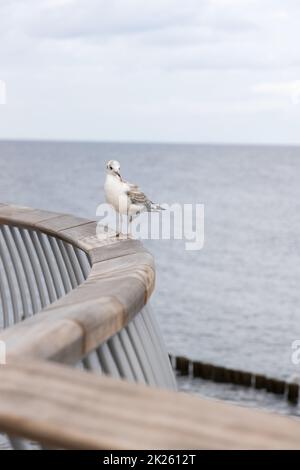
x: 159, y: 70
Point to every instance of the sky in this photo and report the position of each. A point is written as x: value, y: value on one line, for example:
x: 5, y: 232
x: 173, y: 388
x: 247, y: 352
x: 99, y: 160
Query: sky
x: 157, y: 71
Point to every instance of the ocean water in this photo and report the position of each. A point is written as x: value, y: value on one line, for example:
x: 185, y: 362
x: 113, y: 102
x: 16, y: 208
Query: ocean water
x: 237, y: 301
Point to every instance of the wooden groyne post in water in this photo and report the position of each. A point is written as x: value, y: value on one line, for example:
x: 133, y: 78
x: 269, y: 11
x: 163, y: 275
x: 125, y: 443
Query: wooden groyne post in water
x: 220, y: 374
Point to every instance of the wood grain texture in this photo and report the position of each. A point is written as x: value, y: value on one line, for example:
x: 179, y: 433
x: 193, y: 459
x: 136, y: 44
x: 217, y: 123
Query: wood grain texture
x: 120, y: 283
x: 23, y: 215
x: 116, y: 249
x: 83, y: 233
x: 61, y: 222
x: 68, y: 408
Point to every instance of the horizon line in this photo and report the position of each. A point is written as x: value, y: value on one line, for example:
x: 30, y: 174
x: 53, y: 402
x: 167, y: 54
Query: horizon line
x: 147, y: 142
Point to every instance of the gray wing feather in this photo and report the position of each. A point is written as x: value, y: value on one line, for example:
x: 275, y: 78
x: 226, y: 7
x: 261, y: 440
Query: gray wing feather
x: 138, y: 197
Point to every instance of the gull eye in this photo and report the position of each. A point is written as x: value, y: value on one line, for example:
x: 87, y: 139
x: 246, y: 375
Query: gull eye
x: 110, y: 167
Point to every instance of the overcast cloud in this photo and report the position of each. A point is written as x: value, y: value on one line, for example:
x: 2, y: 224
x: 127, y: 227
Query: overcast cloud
x: 159, y: 70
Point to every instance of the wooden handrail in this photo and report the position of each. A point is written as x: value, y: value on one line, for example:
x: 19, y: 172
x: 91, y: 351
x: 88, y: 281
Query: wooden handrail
x: 64, y: 407
x: 120, y: 283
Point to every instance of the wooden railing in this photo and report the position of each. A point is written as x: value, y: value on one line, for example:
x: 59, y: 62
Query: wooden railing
x: 117, y: 286
x: 75, y: 295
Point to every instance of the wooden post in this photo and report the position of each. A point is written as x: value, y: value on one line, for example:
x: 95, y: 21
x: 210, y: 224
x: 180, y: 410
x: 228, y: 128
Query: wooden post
x: 207, y: 371
x: 269, y: 384
x: 230, y: 374
x: 227, y: 375
x: 182, y: 365
x: 260, y: 381
x: 279, y: 387
x: 218, y: 374
x: 237, y: 377
x: 293, y: 393
x: 246, y: 378
x: 275, y: 386
x: 197, y: 369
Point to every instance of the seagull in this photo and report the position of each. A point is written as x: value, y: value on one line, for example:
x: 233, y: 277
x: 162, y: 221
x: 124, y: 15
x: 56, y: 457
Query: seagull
x: 126, y: 198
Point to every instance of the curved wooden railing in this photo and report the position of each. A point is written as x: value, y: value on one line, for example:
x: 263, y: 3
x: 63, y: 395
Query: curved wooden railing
x: 117, y: 286
x: 72, y: 294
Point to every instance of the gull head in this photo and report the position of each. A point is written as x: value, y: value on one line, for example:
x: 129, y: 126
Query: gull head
x: 113, y: 168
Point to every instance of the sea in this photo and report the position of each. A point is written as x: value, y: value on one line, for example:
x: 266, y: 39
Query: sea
x: 236, y: 301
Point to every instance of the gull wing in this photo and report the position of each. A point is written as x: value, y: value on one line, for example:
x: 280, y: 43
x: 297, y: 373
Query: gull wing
x: 138, y: 197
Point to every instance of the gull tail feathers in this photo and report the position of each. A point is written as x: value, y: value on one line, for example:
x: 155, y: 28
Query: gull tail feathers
x: 156, y: 207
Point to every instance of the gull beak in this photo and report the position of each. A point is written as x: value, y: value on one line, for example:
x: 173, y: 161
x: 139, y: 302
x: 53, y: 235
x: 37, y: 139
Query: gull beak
x: 117, y: 173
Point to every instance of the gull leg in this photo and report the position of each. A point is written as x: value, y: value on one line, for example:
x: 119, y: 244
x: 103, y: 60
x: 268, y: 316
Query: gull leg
x: 130, y: 226
x: 120, y: 224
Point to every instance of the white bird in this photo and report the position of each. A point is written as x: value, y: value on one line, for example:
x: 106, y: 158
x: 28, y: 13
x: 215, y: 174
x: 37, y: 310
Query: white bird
x: 126, y: 198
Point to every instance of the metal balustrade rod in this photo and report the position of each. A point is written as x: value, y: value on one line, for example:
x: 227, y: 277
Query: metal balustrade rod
x: 17, y: 266
x: 155, y: 367
x: 158, y: 343
x: 4, y: 300
x: 107, y: 362
x: 68, y: 263
x: 132, y: 358
x: 75, y: 263
x: 6, y: 262
x: 156, y: 359
x: 61, y: 264
x: 38, y: 272
x: 27, y: 268
x: 120, y: 358
x: 83, y: 261
x: 140, y: 353
x: 91, y: 362
x: 151, y: 320
x: 53, y: 269
x: 45, y: 268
